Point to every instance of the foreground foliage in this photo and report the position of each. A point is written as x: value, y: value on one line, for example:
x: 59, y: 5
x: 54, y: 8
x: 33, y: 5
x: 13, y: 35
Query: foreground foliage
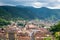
x: 56, y: 31
x: 3, y: 22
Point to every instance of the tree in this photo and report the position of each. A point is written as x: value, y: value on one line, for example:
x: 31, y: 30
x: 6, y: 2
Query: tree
x: 56, y: 30
x: 3, y: 22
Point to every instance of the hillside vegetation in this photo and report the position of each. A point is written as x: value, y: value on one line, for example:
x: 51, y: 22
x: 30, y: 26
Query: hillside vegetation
x: 28, y: 13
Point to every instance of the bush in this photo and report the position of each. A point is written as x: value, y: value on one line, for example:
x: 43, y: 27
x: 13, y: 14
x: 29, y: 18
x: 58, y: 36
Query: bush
x: 48, y: 38
x: 3, y: 22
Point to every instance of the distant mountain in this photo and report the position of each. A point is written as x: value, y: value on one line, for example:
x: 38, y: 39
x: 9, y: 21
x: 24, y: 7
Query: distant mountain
x: 17, y: 12
x: 46, y: 14
x: 9, y: 12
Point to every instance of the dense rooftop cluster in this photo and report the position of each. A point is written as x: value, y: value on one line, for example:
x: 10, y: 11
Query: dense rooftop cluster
x: 30, y: 31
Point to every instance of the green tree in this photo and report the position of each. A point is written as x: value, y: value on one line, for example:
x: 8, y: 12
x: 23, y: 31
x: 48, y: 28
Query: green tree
x: 56, y: 28
x: 3, y: 22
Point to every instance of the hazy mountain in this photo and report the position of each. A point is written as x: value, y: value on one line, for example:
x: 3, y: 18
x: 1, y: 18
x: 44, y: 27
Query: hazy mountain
x: 9, y: 12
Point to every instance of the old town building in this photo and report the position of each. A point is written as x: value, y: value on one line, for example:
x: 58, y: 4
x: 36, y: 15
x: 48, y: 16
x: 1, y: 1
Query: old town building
x: 29, y: 32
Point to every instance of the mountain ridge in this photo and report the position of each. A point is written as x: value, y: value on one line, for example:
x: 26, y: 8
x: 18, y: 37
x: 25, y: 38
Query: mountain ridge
x: 29, y: 13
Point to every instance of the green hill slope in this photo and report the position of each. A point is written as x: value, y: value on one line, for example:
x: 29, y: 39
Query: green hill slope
x: 8, y: 12
x: 14, y: 13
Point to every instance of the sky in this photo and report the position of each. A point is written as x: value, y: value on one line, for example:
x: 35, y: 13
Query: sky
x: 52, y: 4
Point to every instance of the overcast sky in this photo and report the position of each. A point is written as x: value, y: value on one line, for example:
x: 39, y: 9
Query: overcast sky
x: 53, y: 4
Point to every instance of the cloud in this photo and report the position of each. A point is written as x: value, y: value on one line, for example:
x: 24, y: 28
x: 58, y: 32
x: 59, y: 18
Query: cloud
x: 2, y: 4
x: 53, y: 4
x: 25, y: 0
x: 38, y: 4
x: 56, y: 6
x: 58, y: 0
